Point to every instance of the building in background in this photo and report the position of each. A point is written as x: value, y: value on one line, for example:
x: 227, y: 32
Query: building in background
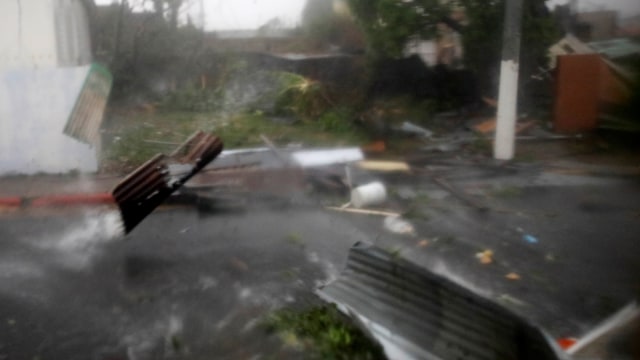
x: 598, y: 25
x: 51, y: 98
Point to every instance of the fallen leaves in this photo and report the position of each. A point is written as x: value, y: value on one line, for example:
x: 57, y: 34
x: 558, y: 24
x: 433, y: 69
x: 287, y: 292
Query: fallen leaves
x: 423, y: 243
x: 485, y: 257
x: 512, y: 276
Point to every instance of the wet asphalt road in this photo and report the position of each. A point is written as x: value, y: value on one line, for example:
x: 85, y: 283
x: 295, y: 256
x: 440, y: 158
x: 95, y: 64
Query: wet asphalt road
x: 182, y: 285
x: 188, y: 284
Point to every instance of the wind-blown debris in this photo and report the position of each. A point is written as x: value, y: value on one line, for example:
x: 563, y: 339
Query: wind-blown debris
x: 415, y: 314
x: 398, y: 225
x: 363, y: 211
x: 385, y: 166
x: 485, y: 257
x: 512, y: 276
x: 152, y: 183
x: 414, y: 129
x: 373, y: 193
x: 310, y: 158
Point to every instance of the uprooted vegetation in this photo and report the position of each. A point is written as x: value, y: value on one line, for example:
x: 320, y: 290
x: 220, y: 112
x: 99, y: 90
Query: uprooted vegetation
x: 137, y: 137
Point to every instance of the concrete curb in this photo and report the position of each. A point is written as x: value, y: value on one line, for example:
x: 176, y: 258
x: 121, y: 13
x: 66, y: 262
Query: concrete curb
x: 58, y: 200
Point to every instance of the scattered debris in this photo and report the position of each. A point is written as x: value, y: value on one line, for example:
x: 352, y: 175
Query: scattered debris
x: 375, y: 147
x: 488, y: 126
x: 152, y: 183
x: 282, y: 156
x: 386, y: 166
x: 398, y: 225
x: 402, y: 304
x: 363, y: 211
x: 406, y: 193
x: 530, y: 239
x: 310, y: 158
x: 328, y: 181
x: 423, y: 243
x: 369, y: 194
x: 412, y: 128
x: 566, y: 343
x: 460, y: 194
x: 485, y: 257
x: 512, y: 276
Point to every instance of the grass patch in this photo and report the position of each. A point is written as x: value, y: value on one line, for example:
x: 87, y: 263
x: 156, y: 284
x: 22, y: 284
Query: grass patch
x: 295, y: 239
x: 134, y: 138
x: 323, y: 333
x: 481, y: 145
x: 507, y: 192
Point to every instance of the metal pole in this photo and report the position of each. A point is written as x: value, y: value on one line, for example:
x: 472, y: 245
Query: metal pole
x: 503, y: 146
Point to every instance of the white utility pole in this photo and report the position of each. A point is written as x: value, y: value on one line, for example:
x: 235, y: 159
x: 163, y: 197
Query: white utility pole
x: 504, y: 143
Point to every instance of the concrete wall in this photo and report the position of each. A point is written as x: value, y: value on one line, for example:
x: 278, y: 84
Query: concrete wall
x: 40, y: 39
x: 43, y: 33
x: 34, y: 108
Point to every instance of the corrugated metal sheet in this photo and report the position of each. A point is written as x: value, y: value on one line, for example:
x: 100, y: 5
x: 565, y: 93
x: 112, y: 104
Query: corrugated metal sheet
x: 153, y: 182
x: 86, y: 118
x: 616, y: 48
x: 420, y: 315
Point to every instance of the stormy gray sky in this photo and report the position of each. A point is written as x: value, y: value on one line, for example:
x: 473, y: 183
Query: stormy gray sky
x: 626, y: 7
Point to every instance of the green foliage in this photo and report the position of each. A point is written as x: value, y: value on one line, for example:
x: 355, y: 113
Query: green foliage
x: 389, y: 24
x: 301, y: 96
x: 626, y: 118
x: 338, y: 120
x: 482, y: 37
x: 191, y: 98
x: 324, y: 333
x: 136, y: 137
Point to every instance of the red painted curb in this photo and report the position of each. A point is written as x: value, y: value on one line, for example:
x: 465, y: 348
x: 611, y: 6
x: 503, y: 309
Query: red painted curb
x: 11, y: 201
x: 73, y: 199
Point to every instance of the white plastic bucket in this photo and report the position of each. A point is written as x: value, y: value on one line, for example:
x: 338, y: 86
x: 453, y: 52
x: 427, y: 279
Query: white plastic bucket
x: 369, y: 194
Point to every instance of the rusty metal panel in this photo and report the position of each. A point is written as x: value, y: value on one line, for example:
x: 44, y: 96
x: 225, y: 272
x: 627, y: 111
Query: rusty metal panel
x: 154, y: 181
x: 577, y: 93
x: 586, y: 85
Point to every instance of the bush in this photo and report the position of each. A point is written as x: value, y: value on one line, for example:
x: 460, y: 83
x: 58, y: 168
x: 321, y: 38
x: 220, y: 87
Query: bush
x: 339, y: 120
x: 301, y: 96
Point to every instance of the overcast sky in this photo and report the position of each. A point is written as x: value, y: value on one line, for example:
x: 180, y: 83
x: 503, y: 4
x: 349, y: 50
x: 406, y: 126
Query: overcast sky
x: 250, y: 14
x: 626, y: 7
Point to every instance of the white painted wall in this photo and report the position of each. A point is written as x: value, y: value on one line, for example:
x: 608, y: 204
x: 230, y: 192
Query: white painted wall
x: 34, y: 108
x: 43, y: 42
x: 43, y: 33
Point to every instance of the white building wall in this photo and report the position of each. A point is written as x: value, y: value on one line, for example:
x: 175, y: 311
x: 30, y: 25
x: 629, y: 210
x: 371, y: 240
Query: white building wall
x: 43, y: 33
x: 72, y: 33
x: 34, y: 108
x: 43, y: 44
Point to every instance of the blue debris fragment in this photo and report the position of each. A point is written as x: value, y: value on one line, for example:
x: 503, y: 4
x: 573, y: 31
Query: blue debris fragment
x: 530, y: 239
